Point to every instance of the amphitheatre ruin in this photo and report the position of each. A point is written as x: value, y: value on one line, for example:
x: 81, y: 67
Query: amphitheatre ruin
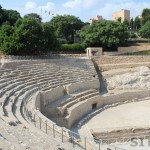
x: 68, y: 102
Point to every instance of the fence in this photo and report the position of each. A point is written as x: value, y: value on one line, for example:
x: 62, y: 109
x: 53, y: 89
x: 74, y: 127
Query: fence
x: 60, y: 133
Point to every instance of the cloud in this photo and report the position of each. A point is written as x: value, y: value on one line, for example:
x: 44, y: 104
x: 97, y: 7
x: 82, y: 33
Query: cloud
x: 73, y: 4
x: 82, y: 4
x: 48, y: 6
x: 30, y: 5
x: 87, y: 4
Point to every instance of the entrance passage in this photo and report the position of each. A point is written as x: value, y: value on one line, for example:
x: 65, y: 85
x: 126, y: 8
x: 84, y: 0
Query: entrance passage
x: 94, y: 106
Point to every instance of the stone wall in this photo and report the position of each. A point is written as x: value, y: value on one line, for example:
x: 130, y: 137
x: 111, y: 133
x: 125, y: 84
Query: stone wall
x: 140, y: 47
x: 81, y: 110
x: 37, y: 101
x: 81, y: 86
x: 86, y: 106
x: 122, y: 66
x: 116, y: 62
x: 94, y: 51
x: 123, y: 14
x: 122, y: 97
x: 101, y: 60
x: 51, y: 95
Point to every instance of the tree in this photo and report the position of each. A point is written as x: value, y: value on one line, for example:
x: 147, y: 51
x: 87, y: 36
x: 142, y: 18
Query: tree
x: 132, y: 23
x: 11, y: 16
x: 104, y: 34
x: 8, y: 16
x: 145, y: 30
x: 66, y: 26
x: 34, y: 16
x: 27, y: 35
x: 119, y: 19
x: 48, y: 38
x: 145, y: 15
x: 6, y: 39
x: 137, y: 23
x: 2, y: 15
x: 126, y: 23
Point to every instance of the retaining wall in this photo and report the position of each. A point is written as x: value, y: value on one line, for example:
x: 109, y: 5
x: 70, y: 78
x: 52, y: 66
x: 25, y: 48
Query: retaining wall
x: 139, y: 47
x: 52, y: 95
x: 122, y: 66
x: 79, y: 110
x: 81, y: 86
x: 37, y: 101
x: 116, y: 62
x: 85, y: 107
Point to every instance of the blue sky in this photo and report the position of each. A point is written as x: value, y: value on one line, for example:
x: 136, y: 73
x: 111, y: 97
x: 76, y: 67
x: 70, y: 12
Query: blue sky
x: 84, y: 9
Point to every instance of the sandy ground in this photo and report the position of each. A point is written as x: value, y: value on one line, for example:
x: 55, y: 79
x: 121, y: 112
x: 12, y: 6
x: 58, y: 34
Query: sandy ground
x: 136, y: 114
x: 126, y: 115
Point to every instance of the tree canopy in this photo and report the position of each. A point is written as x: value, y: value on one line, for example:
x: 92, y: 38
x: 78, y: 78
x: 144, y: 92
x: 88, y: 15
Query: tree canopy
x: 8, y: 16
x: 28, y: 36
x: 66, y: 26
x: 12, y: 16
x: 137, y: 23
x: 126, y: 23
x: 105, y: 34
x: 145, y: 30
x: 145, y: 15
x: 6, y: 39
x: 34, y: 16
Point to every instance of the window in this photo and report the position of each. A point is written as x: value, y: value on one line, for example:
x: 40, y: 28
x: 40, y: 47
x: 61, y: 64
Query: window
x: 94, y: 106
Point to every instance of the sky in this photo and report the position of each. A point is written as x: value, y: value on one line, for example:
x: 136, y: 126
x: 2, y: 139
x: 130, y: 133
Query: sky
x: 84, y: 9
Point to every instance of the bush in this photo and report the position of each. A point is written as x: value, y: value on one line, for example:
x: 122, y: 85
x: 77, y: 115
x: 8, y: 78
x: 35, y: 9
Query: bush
x: 145, y: 30
x: 132, y: 35
x: 73, y: 48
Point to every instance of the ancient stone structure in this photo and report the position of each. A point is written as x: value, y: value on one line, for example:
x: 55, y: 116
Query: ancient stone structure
x: 53, y: 105
x: 95, y: 18
x: 123, y: 15
x: 56, y: 95
x: 136, y: 48
x: 94, y: 51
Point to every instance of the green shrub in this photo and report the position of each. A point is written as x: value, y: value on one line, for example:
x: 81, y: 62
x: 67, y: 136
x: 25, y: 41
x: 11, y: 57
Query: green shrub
x: 73, y: 48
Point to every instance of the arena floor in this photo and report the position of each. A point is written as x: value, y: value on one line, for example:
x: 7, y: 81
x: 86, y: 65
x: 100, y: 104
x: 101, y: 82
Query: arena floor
x: 135, y: 114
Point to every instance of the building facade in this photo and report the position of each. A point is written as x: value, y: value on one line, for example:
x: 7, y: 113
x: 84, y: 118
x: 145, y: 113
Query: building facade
x: 96, y: 18
x: 122, y: 15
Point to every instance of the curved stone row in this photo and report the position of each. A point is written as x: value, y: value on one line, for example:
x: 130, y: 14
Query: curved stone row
x: 19, y: 77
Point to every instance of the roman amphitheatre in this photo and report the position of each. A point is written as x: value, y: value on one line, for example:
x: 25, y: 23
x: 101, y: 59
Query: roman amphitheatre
x: 68, y: 102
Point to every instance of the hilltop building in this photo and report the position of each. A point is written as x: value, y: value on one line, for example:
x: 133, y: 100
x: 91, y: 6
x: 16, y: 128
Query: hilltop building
x: 123, y: 15
x: 96, y: 18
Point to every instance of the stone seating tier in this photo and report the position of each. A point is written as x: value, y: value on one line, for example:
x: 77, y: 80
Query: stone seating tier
x: 17, y: 79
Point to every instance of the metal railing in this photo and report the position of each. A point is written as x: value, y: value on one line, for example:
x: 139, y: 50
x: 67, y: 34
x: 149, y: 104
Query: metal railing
x: 60, y: 133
